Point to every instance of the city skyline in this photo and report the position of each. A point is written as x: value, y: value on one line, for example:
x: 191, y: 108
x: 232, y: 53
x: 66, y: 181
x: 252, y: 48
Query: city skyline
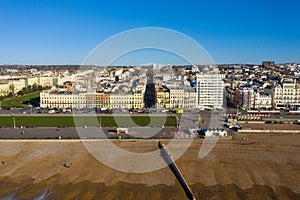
x: 64, y: 32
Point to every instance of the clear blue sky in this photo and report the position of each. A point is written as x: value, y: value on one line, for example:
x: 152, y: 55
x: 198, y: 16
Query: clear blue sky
x: 64, y: 32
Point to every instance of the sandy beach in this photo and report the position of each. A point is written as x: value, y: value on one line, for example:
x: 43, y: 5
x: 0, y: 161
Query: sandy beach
x: 264, y: 166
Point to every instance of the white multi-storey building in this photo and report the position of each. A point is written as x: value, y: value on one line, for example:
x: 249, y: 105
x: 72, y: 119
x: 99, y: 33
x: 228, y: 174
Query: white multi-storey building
x: 262, y: 101
x: 287, y: 94
x: 209, y: 89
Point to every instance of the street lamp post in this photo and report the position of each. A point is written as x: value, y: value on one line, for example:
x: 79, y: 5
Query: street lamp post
x: 31, y: 109
x: 14, y: 120
x: 237, y: 113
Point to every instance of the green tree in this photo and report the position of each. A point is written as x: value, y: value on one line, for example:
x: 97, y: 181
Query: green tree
x: 29, y: 89
x: 11, y: 94
x: 20, y: 93
x: 34, y: 87
x: 40, y: 88
x: 24, y: 90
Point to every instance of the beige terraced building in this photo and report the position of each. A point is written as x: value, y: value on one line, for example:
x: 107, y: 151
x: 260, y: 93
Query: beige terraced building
x: 176, y: 97
x: 62, y: 99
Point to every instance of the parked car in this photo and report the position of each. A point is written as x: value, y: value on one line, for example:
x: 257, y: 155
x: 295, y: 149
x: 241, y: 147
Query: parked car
x: 51, y: 111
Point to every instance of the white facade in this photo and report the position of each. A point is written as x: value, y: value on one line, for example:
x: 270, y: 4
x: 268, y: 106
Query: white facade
x: 190, y: 99
x: 182, y: 98
x: 210, y: 132
x: 4, y: 89
x: 262, y: 101
x: 287, y: 95
x: 209, y: 90
x: 127, y: 100
x: 17, y: 85
x: 62, y: 100
x: 176, y: 97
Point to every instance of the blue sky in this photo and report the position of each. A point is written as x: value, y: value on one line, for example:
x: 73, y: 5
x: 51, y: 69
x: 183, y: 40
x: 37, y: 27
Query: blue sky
x: 64, y: 32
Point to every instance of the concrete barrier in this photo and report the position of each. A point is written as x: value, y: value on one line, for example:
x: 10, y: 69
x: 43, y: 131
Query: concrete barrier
x: 251, y: 122
x: 268, y: 131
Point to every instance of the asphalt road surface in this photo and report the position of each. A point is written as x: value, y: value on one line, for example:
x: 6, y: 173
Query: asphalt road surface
x: 72, y: 133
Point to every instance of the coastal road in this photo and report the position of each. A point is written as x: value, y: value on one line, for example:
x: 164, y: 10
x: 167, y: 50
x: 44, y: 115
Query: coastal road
x: 72, y: 133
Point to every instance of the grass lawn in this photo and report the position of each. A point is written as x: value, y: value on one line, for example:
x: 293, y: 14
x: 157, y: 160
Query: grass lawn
x: 21, y: 101
x: 106, y: 121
